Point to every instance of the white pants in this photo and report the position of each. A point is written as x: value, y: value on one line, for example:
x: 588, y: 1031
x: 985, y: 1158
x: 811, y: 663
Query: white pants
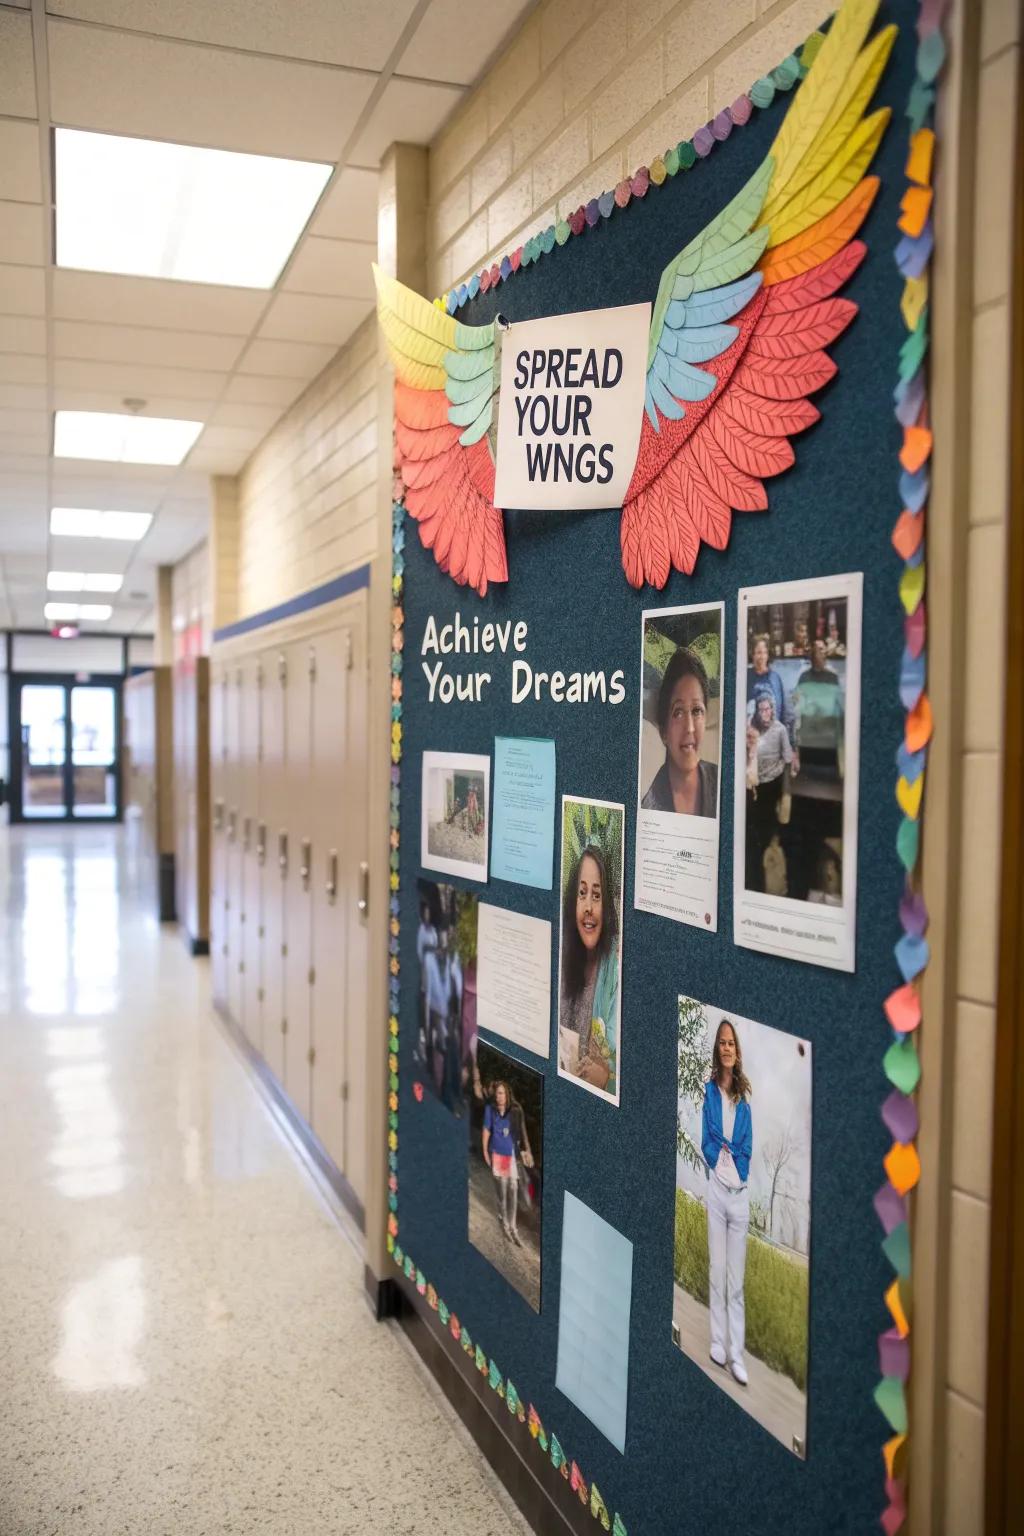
x: 728, y: 1218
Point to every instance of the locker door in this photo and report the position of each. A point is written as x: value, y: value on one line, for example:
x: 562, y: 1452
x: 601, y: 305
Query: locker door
x: 333, y: 819
x: 218, y: 857
x: 298, y: 878
x: 250, y: 797
x: 356, y: 893
x: 272, y: 822
x: 234, y: 774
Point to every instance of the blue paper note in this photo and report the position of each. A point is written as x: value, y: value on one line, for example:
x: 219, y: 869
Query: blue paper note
x: 523, y: 830
x: 593, y: 1318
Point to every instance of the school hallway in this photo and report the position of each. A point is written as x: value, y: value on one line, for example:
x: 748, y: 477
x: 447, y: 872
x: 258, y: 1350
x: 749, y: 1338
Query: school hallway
x: 186, y: 1343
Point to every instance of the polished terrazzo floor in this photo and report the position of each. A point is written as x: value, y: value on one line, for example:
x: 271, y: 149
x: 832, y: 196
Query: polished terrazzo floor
x: 184, y: 1345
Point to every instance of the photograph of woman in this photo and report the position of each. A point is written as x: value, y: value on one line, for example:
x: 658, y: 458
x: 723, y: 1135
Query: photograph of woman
x: 727, y: 1142
x: 677, y: 822
x: 769, y: 754
x: 743, y: 1212
x: 505, y: 1104
x: 589, y: 957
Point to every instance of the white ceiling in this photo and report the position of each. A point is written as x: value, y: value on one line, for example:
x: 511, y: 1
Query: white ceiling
x: 329, y: 80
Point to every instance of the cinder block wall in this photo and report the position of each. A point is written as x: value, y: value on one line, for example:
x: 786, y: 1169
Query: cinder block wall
x: 586, y: 93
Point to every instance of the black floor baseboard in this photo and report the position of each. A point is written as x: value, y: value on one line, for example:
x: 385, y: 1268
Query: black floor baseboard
x: 541, y: 1492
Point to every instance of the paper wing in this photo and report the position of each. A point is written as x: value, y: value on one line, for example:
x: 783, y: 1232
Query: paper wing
x: 446, y: 385
x: 744, y: 314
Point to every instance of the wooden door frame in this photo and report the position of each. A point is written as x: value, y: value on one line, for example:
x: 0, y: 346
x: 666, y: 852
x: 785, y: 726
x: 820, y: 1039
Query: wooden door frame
x: 1004, y: 1463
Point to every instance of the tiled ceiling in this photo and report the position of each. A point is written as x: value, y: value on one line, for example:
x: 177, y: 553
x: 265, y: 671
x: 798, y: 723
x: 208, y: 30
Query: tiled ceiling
x: 328, y: 80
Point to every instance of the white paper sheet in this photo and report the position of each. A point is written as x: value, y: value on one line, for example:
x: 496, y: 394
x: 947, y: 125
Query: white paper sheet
x: 513, y: 977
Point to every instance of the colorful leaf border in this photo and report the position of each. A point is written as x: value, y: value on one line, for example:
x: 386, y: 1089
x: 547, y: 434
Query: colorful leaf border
x: 901, y: 1063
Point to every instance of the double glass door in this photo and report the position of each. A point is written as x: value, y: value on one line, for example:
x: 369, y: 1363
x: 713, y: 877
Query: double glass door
x: 68, y: 749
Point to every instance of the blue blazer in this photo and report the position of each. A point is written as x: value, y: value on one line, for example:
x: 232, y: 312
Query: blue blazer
x: 712, y: 1139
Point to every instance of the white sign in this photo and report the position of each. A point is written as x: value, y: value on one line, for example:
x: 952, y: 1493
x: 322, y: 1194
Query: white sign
x: 570, y: 409
x: 513, y: 977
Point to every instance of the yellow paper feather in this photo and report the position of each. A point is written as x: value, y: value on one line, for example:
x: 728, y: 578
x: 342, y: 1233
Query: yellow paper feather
x: 832, y: 184
x: 847, y: 110
x: 816, y: 99
x: 416, y: 375
x: 414, y: 311
x: 412, y: 344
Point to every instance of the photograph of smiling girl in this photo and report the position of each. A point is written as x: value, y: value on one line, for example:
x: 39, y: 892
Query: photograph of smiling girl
x: 590, y: 945
x: 678, y: 793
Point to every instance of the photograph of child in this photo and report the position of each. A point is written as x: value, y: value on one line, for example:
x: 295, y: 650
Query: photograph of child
x: 590, y: 945
x: 505, y: 1101
x: 743, y: 1212
x: 446, y: 1025
x: 454, y: 813
x: 798, y: 718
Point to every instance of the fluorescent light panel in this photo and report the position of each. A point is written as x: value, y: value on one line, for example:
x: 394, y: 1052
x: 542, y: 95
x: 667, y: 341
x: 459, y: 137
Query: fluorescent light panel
x: 83, y: 581
x: 149, y: 209
x: 61, y: 612
x: 122, y: 439
x: 89, y: 523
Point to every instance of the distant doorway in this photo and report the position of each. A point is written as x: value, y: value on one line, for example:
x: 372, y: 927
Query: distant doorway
x: 66, y: 749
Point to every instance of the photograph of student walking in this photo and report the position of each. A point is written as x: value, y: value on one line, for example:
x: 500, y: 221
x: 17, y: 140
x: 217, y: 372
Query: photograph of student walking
x: 506, y: 1154
x: 743, y: 1207
x: 446, y: 951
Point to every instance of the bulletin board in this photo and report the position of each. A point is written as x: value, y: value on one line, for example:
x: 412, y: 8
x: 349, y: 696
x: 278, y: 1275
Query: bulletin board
x: 692, y: 1458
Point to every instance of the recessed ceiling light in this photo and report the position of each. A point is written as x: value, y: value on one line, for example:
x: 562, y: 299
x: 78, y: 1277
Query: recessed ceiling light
x: 88, y: 523
x: 83, y: 581
x: 148, y: 209
x: 58, y: 612
x: 122, y: 439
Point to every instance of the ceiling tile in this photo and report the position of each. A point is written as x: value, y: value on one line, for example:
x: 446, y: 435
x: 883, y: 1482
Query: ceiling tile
x: 21, y: 233
x: 255, y: 418
x: 304, y: 317
x: 91, y: 555
x: 153, y: 301
x: 250, y: 389
x: 218, y: 461
x: 21, y: 368
x: 340, y: 268
x: 361, y: 34
x: 138, y: 85
x: 173, y: 406
x: 22, y: 291
x: 348, y: 209
x: 135, y: 344
x: 29, y: 444
x: 23, y: 397
x: 444, y: 47
x: 285, y: 359
x: 19, y: 162
x: 90, y: 483
x: 137, y: 379
x: 17, y: 71
x: 32, y: 423
x: 406, y: 110
x: 21, y: 469
x: 18, y: 334
x: 170, y: 539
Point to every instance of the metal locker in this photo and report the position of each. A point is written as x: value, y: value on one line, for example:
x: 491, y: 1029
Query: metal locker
x: 235, y: 892
x: 358, y: 896
x: 334, y: 819
x: 252, y: 915
x: 218, y: 840
x: 299, y: 877
x: 272, y: 830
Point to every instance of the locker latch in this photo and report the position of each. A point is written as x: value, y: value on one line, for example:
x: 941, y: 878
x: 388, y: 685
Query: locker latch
x: 363, y: 904
x: 304, y: 867
x: 331, y: 885
x: 282, y: 853
x: 261, y: 842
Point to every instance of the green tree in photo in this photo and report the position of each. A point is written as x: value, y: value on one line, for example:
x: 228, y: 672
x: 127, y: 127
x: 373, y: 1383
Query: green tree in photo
x: 692, y: 1072
x: 585, y: 825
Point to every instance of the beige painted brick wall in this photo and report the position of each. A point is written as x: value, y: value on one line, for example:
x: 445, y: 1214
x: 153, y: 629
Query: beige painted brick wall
x: 306, y: 497
x: 588, y: 91
x: 983, y: 663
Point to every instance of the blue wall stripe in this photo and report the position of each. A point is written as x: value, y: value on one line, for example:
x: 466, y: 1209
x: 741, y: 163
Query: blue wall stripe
x: 341, y: 586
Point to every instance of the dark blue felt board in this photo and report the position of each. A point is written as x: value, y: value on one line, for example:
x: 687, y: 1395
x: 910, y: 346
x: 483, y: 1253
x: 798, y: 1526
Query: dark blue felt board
x: 693, y: 1458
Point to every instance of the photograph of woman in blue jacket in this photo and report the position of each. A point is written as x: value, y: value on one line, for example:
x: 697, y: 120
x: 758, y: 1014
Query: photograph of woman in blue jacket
x: 727, y: 1143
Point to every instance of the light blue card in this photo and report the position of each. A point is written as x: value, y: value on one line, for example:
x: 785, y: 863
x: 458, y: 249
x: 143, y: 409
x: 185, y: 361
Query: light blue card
x: 523, y: 827
x: 593, y: 1318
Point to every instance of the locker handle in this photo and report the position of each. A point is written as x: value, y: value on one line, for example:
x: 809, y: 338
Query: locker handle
x: 232, y: 825
x: 261, y: 843
x: 246, y: 833
x: 331, y: 885
x: 363, y: 904
x: 282, y: 852
x: 218, y: 815
x: 307, y: 855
